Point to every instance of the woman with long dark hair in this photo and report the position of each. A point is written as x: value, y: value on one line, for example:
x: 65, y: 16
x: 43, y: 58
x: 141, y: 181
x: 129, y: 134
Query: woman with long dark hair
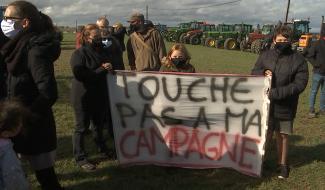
x: 28, y: 57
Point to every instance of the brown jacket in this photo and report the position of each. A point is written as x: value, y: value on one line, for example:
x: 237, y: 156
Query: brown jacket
x: 146, y: 58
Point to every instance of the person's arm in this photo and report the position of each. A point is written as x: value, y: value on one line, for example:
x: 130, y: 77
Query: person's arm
x: 161, y: 45
x: 297, y: 86
x: 310, y: 54
x: 258, y: 67
x: 131, y: 55
x: 42, y: 71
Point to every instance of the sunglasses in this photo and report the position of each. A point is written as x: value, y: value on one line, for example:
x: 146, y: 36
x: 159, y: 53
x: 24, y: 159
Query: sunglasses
x: 11, y: 18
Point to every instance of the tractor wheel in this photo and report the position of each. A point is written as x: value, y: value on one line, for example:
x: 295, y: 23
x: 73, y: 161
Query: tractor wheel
x: 258, y: 46
x: 218, y: 44
x: 253, y: 47
x: 182, y: 38
x: 210, y: 42
x: 230, y: 44
x: 243, y: 45
x: 195, y: 40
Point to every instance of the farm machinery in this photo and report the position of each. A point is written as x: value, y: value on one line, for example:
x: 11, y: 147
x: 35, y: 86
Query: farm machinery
x: 175, y: 35
x: 257, y: 40
x: 227, y: 36
x: 305, y: 40
x: 194, y: 36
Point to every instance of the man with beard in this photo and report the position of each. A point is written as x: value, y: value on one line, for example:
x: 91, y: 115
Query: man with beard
x: 145, y: 46
x: 289, y: 73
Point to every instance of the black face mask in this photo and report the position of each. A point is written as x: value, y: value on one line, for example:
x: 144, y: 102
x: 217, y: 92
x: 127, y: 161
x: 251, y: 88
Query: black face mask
x: 97, y: 43
x: 283, y: 47
x: 178, y: 62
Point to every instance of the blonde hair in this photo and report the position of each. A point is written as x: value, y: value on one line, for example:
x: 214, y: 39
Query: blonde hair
x: 181, y: 48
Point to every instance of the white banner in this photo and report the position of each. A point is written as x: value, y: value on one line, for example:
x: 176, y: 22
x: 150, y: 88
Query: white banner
x: 190, y: 120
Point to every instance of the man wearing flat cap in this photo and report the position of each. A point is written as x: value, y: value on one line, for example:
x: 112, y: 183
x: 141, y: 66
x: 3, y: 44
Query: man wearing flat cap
x: 145, y: 46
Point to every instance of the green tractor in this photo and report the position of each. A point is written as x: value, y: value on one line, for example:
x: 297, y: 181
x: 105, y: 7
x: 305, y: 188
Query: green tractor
x: 177, y: 34
x: 209, y: 37
x: 194, y: 36
x: 229, y: 40
x: 172, y: 32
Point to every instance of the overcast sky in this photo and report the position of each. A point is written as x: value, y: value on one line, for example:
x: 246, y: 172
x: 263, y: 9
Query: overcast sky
x: 171, y: 12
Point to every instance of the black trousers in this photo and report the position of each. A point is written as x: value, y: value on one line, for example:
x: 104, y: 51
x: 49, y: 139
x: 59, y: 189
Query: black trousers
x: 83, y: 120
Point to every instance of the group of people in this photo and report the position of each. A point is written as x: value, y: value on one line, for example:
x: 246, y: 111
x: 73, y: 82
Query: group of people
x: 100, y: 52
x: 28, y: 87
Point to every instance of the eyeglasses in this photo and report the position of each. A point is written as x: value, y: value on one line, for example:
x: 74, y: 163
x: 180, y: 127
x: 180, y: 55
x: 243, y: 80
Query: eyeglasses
x: 11, y: 18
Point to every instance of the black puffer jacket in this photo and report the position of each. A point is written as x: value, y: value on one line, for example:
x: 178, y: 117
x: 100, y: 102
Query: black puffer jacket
x: 316, y: 56
x: 289, y: 79
x: 35, y: 85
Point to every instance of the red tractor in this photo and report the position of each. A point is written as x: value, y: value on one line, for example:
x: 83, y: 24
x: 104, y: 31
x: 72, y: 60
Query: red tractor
x: 194, y: 36
x: 255, y: 40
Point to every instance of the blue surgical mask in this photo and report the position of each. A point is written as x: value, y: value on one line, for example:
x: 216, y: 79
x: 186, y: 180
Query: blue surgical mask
x: 9, y: 28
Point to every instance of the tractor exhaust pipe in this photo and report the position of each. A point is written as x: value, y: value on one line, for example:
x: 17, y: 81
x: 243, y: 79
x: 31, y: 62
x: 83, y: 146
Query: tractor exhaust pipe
x: 322, y: 28
x: 288, y: 7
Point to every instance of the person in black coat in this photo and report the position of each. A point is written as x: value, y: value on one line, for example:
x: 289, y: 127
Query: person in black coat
x: 28, y: 57
x: 90, y: 64
x: 316, y: 56
x: 289, y: 72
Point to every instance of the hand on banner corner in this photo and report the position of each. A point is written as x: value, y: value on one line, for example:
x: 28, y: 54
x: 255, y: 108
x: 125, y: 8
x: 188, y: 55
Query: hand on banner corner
x: 268, y: 73
x: 107, y: 66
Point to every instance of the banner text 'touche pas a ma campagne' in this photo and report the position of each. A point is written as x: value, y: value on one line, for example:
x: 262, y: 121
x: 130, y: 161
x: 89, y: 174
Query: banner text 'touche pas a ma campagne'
x: 190, y: 120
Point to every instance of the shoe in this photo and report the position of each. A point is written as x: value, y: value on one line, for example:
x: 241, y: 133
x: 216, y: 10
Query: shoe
x: 284, y: 172
x: 311, y: 113
x: 86, y: 165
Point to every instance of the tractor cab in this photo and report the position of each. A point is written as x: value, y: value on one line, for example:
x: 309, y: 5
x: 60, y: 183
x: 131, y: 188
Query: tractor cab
x: 184, y: 25
x: 208, y: 27
x: 243, y: 28
x: 267, y: 29
x: 299, y: 28
x: 225, y: 28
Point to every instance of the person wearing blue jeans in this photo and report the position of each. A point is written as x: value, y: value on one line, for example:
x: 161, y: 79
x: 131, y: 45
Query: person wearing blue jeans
x: 316, y: 56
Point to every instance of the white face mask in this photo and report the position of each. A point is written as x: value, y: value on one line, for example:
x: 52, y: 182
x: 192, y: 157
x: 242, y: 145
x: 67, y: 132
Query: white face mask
x: 9, y: 29
x: 107, y: 43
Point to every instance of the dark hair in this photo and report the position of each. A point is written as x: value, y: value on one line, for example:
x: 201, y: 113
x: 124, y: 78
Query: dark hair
x: 86, y: 33
x: 12, y: 114
x: 39, y: 22
x: 283, y: 30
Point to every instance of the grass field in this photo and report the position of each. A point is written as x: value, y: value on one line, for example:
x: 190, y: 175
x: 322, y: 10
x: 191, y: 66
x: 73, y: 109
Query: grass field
x: 306, y: 156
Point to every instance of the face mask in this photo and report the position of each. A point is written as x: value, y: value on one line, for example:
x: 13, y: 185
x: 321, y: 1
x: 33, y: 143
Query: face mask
x: 107, y: 43
x: 283, y: 47
x: 178, y: 62
x: 97, y: 43
x: 9, y: 28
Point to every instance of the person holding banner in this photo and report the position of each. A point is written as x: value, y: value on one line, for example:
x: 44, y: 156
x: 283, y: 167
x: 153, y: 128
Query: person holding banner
x: 90, y: 65
x: 177, y: 60
x: 145, y: 47
x: 289, y: 72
